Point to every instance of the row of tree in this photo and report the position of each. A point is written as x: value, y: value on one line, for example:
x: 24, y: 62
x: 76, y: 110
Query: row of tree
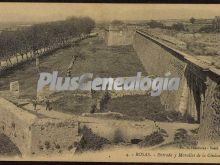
x: 180, y: 26
x: 175, y: 26
x: 41, y: 36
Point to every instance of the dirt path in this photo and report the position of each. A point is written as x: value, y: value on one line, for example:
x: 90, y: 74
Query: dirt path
x: 41, y: 110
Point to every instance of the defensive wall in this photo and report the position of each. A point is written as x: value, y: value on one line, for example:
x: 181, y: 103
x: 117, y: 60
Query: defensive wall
x: 198, y: 97
x: 35, y: 135
x: 199, y: 93
x: 117, y: 35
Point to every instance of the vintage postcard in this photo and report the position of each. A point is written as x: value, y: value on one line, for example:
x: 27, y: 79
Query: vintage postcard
x: 110, y: 82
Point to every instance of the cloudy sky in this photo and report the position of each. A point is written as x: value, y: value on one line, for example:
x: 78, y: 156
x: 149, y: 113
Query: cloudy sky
x: 11, y: 12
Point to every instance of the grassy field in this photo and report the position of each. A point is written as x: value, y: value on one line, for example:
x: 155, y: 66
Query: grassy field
x: 98, y: 59
x: 143, y: 107
x: 68, y: 103
x: 136, y: 106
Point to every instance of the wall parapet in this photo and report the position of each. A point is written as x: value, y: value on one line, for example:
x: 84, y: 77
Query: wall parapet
x: 35, y: 135
x: 16, y: 124
x: 198, y: 97
x: 189, y: 59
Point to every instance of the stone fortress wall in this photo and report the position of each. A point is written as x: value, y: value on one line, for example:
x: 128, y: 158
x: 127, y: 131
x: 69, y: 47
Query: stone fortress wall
x: 16, y: 124
x: 119, y: 35
x: 158, y: 61
x: 198, y: 96
x: 34, y: 135
x: 54, y: 136
x: 199, y: 92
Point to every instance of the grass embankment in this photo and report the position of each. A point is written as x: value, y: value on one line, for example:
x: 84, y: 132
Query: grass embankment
x: 102, y: 61
x: 97, y: 58
x: 28, y: 76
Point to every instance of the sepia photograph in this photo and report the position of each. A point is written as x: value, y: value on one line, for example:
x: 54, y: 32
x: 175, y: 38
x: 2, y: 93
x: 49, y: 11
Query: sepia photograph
x: 110, y: 82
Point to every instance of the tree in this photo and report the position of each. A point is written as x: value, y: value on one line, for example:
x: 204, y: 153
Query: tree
x: 206, y: 29
x: 192, y: 20
x: 178, y: 27
x: 155, y: 24
x: 39, y: 37
x: 117, y: 22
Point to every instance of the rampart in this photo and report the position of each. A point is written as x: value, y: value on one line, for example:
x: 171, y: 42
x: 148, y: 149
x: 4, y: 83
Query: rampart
x: 199, y: 94
x: 35, y: 135
x: 16, y: 124
x: 116, y: 37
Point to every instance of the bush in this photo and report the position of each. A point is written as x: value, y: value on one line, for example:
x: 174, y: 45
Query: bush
x: 206, y: 29
x: 195, y: 131
x: 104, y: 101
x: 93, y: 109
x: 183, y: 139
x: 210, y: 51
x: 118, y: 137
x: 155, y: 24
x: 189, y: 118
x: 117, y: 22
x: 192, y: 20
x: 174, y: 115
x: 153, y: 139
x: 165, y: 115
x: 47, y: 144
x: 178, y: 27
x: 90, y: 141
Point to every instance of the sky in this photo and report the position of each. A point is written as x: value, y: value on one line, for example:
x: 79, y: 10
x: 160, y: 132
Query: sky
x: 43, y: 12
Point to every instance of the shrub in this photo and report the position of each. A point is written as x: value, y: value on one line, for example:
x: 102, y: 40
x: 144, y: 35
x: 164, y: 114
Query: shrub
x: 183, y: 139
x: 206, y: 29
x: 195, y: 131
x: 117, y: 22
x: 57, y: 146
x: 47, y: 144
x: 118, y: 136
x: 153, y: 139
x: 93, y: 109
x: 155, y: 24
x: 178, y: 27
x: 192, y: 20
x: 90, y: 141
x: 189, y: 118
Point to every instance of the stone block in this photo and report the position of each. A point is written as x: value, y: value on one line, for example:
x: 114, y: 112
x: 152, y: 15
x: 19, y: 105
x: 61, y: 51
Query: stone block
x: 14, y: 87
